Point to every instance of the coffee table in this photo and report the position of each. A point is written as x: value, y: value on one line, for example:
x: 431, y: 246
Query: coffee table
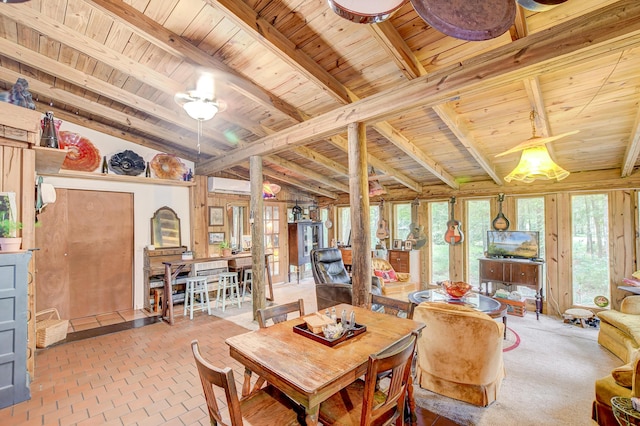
x: 492, y: 307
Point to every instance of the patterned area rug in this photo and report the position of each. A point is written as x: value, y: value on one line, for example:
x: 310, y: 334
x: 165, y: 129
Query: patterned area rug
x: 511, y: 342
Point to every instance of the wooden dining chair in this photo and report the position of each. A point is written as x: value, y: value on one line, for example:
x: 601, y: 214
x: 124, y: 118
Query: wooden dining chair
x: 266, y: 407
x: 392, y: 306
x: 362, y: 403
x: 278, y: 313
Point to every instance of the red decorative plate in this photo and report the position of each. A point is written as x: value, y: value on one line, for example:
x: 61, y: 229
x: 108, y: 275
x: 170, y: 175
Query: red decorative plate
x: 82, y: 156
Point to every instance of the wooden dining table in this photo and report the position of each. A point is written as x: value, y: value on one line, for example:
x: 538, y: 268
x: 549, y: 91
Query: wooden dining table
x: 308, y: 371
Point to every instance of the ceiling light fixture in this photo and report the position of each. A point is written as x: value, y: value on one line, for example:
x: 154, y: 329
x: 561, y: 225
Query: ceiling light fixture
x: 201, y: 109
x: 535, y: 161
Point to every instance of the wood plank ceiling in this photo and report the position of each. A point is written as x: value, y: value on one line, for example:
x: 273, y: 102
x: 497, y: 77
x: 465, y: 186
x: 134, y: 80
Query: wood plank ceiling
x: 293, y: 74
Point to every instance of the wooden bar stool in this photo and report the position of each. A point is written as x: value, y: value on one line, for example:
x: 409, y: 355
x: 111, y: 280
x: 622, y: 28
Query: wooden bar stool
x: 228, y: 281
x: 247, y: 278
x: 196, y: 285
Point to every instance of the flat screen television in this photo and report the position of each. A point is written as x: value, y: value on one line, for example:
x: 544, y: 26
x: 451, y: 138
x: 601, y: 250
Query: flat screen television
x: 516, y: 244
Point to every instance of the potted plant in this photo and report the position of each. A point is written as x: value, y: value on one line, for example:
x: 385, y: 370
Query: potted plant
x: 8, y: 239
x: 226, y: 248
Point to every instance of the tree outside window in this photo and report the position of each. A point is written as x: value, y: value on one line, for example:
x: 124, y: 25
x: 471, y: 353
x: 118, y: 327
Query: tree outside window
x: 439, y: 215
x: 590, y: 248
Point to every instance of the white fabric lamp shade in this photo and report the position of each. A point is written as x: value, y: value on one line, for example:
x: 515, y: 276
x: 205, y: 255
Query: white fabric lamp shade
x: 201, y: 109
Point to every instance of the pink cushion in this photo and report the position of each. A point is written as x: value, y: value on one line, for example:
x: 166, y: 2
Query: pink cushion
x: 387, y: 276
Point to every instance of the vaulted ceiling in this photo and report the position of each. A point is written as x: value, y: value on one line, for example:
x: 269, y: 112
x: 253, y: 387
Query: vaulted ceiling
x: 293, y: 74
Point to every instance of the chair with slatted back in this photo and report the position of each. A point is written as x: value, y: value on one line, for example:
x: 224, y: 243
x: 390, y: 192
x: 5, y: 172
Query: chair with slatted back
x: 266, y: 407
x: 391, y: 306
x: 361, y: 403
x: 278, y: 313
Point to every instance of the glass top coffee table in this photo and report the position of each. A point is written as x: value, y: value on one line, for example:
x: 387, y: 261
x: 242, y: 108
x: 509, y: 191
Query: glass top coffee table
x: 492, y: 307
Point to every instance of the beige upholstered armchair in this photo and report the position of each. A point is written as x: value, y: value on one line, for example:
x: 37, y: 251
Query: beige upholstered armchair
x: 459, y: 353
x: 620, y: 330
x: 392, y: 281
x: 623, y: 381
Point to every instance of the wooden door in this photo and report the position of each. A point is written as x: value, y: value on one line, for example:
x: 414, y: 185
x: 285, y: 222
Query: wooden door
x: 85, y: 261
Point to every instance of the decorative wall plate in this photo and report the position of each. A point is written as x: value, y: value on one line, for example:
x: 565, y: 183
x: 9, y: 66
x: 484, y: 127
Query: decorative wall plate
x: 82, y: 156
x: 167, y: 166
x: 127, y: 163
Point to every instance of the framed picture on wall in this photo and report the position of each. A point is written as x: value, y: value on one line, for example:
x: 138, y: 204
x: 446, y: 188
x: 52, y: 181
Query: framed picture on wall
x: 216, y: 216
x: 397, y: 244
x: 216, y: 237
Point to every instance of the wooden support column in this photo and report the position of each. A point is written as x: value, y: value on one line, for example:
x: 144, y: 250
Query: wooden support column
x: 359, y: 201
x: 198, y: 195
x: 256, y: 219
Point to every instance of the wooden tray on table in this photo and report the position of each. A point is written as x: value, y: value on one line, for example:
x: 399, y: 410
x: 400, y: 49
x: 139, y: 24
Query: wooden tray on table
x: 303, y: 330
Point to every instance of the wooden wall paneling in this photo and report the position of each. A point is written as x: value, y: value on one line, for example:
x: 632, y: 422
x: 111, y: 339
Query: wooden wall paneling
x: 565, y: 235
x: 457, y: 253
x: 552, y: 264
x: 198, y: 198
x: 621, y: 242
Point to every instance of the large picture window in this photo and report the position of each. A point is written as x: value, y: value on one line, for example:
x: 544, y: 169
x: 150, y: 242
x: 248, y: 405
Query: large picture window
x: 589, y: 248
x: 478, y: 223
x: 438, y: 217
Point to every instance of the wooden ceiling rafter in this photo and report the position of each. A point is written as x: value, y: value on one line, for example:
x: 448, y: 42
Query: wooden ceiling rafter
x: 300, y: 170
x: 342, y: 143
x: 633, y: 148
x: 597, y: 33
x: 292, y: 181
x: 273, y: 40
x: 316, y: 157
x: 395, y: 43
x: 103, y: 88
x: 173, y: 43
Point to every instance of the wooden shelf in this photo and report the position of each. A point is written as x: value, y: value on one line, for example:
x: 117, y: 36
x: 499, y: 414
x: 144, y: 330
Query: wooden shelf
x: 49, y: 160
x: 118, y: 178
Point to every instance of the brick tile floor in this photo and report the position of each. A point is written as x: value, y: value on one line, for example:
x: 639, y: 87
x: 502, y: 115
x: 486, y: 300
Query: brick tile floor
x: 141, y: 376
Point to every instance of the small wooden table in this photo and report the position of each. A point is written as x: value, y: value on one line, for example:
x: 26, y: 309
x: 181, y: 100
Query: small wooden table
x: 490, y: 306
x: 173, y: 268
x: 310, y: 372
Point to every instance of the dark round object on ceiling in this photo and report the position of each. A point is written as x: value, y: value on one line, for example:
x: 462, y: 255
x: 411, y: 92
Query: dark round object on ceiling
x: 468, y: 19
x: 367, y: 11
x: 540, y: 5
x: 127, y: 163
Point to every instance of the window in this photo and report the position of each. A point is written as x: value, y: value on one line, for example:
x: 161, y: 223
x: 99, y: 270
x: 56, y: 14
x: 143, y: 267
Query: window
x: 439, y: 215
x: 530, y: 217
x: 402, y: 221
x: 374, y: 218
x: 344, y: 225
x: 478, y: 223
x: 324, y: 215
x: 589, y: 248
x: 272, y: 235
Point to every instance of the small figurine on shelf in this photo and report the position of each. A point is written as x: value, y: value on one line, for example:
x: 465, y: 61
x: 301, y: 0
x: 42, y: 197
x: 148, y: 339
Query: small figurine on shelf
x: 147, y: 171
x: 105, y: 168
x: 49, y: 137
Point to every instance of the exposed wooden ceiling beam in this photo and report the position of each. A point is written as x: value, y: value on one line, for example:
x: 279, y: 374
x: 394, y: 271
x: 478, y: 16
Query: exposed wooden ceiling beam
x: 340, y: 142
x: 167, y: 40
x: 300, y: 170
x: 395, y: 46
x: 277, y: 43
x: 290, y: 180
x: 541, y: 119
x: 386, y: 130
x: 81, y: 103
x: 633, y: 148
x: 460, y: 128
x: 311, y: 155
x: 103, y: 88
x: 611, y: 28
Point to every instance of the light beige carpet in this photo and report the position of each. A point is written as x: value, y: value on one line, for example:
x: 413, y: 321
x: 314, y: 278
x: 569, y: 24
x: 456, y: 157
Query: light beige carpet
x: 550, y: 378
x: 550, y: 375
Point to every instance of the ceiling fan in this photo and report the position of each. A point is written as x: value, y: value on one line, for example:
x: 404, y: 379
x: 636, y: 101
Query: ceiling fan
x: 201, y: 103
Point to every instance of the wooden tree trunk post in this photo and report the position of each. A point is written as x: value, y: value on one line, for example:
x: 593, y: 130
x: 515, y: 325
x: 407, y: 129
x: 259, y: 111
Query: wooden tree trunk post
x: 256, y: 219
x: 359, y: 201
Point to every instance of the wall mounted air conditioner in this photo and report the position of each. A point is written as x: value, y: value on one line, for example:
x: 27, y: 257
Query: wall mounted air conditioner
x: 229, y: 186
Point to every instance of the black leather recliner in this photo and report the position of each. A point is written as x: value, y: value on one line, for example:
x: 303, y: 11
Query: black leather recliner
x: 333, y: 283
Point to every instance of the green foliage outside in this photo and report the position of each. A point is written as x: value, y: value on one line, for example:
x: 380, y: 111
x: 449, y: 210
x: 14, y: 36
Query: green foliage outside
x: 590, y: 248
x: 439, y: 248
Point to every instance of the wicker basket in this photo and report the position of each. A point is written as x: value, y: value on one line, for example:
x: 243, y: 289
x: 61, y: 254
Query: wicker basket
x: 51, y: 329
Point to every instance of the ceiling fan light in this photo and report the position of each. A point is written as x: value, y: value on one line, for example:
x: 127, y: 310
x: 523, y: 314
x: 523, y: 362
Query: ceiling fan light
x: 201, y: 109
x: 535, y: 163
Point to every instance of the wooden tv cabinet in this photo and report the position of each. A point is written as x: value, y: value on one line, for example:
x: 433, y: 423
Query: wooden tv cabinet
x: 512, y: 273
